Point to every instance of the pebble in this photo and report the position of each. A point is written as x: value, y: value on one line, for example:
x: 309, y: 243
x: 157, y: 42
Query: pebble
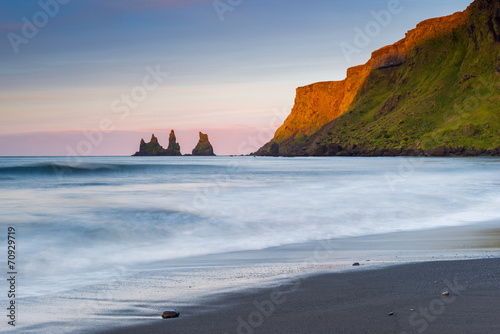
x: 392, y: 313
x: 446, y: 293
x: 356, y: 264
x: 170, y: 314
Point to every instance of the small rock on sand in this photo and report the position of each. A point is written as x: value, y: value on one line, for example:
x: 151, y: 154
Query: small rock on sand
x: 170, y: 314
x: 356, y: 264
x: 446, y: 293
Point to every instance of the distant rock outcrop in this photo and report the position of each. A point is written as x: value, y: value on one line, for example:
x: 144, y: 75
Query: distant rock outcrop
x: 153, y: 148
x: 204, y: 148
x: 174, y: 149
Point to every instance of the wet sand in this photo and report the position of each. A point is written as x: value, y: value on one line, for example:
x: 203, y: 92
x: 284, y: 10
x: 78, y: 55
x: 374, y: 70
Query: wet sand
x: 364, y: 301
x: 398, y: 288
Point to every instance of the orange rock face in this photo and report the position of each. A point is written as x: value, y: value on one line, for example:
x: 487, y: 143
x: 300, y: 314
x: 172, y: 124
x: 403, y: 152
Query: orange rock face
x: 320, y: 103
x: 395, y: 55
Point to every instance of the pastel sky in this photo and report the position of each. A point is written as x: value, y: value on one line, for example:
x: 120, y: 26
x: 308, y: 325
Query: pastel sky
x: 74, y: 71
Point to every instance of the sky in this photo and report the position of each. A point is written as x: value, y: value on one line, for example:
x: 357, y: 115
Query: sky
x: 93, y: 77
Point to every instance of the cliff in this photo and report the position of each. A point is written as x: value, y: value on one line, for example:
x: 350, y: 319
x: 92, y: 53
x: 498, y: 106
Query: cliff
x: 153, y: 148
x: 203, y: 148
x: 320, y: 103
x: 434, y: 92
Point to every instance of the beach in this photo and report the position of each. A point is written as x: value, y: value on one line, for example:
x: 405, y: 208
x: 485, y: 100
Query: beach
x: 401, y: 286
x: 400, y: 299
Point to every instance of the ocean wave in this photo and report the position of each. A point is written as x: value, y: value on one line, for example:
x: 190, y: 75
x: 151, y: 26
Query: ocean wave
x: 155, y: 210
x: 60, y: 169
x: 53, y: 168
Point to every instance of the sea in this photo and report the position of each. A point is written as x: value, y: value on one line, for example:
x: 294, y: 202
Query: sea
x: 101, y: 236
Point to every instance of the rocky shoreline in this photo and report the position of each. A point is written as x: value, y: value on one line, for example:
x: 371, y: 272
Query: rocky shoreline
x: 332, y: 150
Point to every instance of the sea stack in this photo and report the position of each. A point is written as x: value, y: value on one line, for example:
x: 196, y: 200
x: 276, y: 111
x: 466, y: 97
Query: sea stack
x: 174, y: 149
x: 153, y: 148
x: 204, y: 148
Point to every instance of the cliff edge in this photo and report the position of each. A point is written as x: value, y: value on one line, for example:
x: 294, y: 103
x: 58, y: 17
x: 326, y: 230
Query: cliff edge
x: 434, y: 92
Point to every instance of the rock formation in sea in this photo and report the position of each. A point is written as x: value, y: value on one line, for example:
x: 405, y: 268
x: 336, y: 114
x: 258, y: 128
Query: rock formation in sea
x: 174, y: 149
x: 435, y: 92
x: 203, y: 148
x: 153, y: 148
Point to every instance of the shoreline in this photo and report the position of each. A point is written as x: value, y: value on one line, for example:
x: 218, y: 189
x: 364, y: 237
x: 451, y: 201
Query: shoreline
x: 440, y: 152
x: 210, y: 289
x: 391, y: 266
x: 378, y: 300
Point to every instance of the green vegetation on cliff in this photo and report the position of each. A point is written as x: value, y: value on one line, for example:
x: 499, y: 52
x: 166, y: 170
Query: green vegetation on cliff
x: 443, y: 97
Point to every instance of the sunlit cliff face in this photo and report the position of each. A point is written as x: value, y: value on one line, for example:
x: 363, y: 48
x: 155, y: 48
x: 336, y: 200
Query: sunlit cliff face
x: 320, y: 103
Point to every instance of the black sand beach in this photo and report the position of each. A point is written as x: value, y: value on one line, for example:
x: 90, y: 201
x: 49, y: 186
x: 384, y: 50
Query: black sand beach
x: 397, y: 299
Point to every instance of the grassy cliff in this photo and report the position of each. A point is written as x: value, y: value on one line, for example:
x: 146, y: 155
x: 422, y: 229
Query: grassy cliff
x: 440, y: 97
